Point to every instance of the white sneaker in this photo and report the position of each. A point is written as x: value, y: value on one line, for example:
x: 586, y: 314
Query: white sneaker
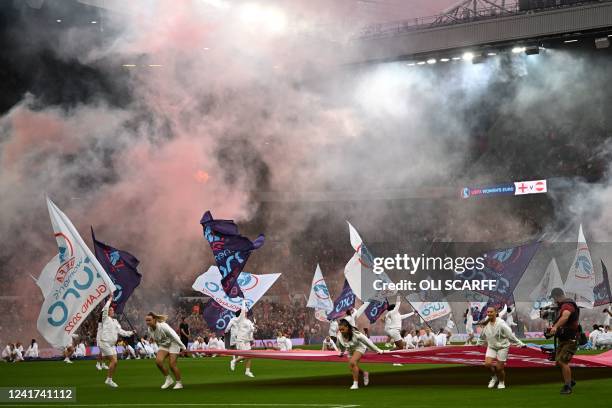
x: 366, y: 378
x: 178, y: 386
x: 501, y: 386
x: 98, y: 367
x: 67, y: 361
x: 169, y: 381
x: 233, y: 365
x: 492, y: 382
x: 104, y: 366
x: 355, y: 386
x: 249, y: 374
x: 110, y: 383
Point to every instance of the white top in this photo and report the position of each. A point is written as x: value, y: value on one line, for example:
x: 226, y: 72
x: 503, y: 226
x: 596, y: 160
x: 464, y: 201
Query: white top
x: 7, y: 352
x: 111, y: 329
x: 393, y: 318
x: 216, y: 344
x: 498, y: 335
x: 284, y: 344
x: 333, y: 328
x: 32, y: 350
x: 441, y: 340
x: 410, y: 341
x: 450, y: 325
x: 80, y: 350
x: 196, y: 345
x: 244, y: 327
x: 231, y: 329
x: 329, y: 345
x: 427, y: 338
x: 359, y: 339
x: 593, y: 336
x: 164, y: 336
x: 469, y: 323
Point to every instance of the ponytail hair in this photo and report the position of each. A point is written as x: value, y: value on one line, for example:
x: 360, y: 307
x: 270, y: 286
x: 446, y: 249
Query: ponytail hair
x: 159, y: 318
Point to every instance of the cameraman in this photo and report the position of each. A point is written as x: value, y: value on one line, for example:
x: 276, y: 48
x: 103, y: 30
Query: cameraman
x: 565, y: 329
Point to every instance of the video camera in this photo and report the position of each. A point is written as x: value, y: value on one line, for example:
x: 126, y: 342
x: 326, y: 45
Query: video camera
x: 549, y: 313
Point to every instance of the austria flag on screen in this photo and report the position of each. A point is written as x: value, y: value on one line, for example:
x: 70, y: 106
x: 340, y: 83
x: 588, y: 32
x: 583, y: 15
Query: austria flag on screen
x: 530, y: 187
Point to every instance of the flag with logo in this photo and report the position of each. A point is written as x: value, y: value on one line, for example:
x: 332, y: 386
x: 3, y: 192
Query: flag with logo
x: 252, y: 286
x: 581, y: 277
x: 121, y: 267
x: 216, y: 316
x: 602, y: 293
x: 319, y: 298
x: 78, y: 285
x: 230, y: 249
x: 504, y: 266
x: 541, y: 293
x: 375, y: 309
x: 344, y: 302
x: 359, y: 271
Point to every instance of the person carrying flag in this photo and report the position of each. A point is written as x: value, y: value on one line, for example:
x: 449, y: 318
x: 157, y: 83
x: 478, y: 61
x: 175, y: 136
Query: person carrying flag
x: 170, y: 346
x: 244, y: 337
x: 110, y: 332
x: 393, y: 323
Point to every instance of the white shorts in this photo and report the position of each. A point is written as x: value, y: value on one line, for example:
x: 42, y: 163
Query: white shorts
x: 243, y: 345
x: 469, y: 330
x: 499, y: 355
x: 173, y: 349
x: 107, y: 350
x: 394, y: 334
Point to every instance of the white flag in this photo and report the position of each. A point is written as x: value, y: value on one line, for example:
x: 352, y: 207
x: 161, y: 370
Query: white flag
x: 76, y: 286
x: 319, y: 294
x: 253, y: 287
x: 46, y: 278
x: 581, y: 278
x: 359, y: 271
x: 541, y: 293
x: 428, y: 310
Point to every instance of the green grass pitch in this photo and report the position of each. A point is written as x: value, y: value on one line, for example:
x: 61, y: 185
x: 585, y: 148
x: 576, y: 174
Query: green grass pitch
x: 209, y: 383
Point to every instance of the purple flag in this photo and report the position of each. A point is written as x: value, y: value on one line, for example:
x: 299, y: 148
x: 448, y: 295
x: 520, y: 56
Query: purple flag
x: 230, y: 249
x: 504, y: 266
x: 344, y: 302
x: 121, y: 268
x: 602, y: 293
x: 375, y: 309
x: 216, y: 316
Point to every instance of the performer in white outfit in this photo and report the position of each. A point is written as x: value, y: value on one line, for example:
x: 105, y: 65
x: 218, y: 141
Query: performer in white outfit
x: 244, y: 337
x: 393, y: 323
x: 333, y: 330
x: 231, y: 328
x: 111, y: 330
x: 32, y: 351
x: 100, y: 363
x: 329, y: 345
x: 469, y: 326
x: 353, y: 341
x: 608, y: 312
x: 498, y: 337
x: 170, y: 346
x: 80, y: 350
x: 510, y: 319
x: 283, y: 343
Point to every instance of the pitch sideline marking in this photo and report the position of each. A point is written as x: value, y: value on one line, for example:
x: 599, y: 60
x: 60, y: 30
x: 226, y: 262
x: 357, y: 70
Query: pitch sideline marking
x: 186, y: 405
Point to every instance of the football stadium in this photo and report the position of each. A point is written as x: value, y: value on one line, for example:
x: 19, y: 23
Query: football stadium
x: 305, y: 203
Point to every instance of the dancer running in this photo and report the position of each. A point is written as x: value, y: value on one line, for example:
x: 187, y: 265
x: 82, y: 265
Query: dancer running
x: 498, y: 336
x: 170, y: 346
x: 111, y: 330
x: 393, y: 323
x: 100, y: 364
x: 244, y: 337
x: 349, y: 338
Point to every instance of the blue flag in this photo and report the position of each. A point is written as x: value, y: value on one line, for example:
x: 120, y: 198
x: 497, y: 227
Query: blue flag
x: 344, y: 302
x: 375, y: 309
x: 216, y: 316
x: 504, y: 266
x: 121, y: 268
x: 230, y: 249
x: 602, y: 293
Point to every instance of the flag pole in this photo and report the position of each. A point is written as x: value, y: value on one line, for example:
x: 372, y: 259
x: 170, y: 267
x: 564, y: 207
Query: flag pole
x: 418, y: 314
